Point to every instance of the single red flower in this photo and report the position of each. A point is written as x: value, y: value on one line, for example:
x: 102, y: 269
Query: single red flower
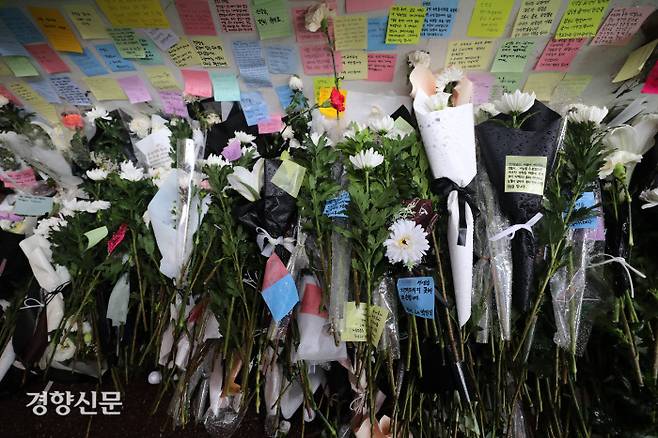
x: 337, y: 100
x: 73, y: 121
x: 116, y: 238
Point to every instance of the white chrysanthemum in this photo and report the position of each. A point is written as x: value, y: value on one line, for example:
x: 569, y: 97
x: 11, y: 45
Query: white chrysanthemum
x: 159, y: 174
x: 407, y: 243
x: 316, y: 136
x: 485, y: 111
x: 65, y: 350
x: 650, y: 197
x: 97, y: 174
x: 45, y: 226
x: 579, y: 113
x: 448, y: 75
x: 419, y: 58
x: 243, y: 137
x: 381, y: 123
x: 213, y: 119
x: 368, y: 159
x: 95, y: 206
x: 352, y: 129
x: 140, y: 126
x: 287, y: 133
x: 515, y: 103
x: 615, y: 158
x: 3, y: 101
x: 216, y: 160
x: 97, y: 113
x: 438, y: 101
x: 315, y: 15
x: 295, y: 83
x: 294, y: 144
x: 61, y: 137
x: 129, y: 172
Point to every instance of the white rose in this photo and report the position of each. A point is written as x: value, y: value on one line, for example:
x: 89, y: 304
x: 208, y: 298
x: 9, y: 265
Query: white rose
x: 295, y: 83
x: 315, y: 15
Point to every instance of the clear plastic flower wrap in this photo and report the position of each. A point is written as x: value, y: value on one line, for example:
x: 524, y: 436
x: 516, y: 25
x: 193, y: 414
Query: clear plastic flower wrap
x: 341, y: 262
x: 386, y: 297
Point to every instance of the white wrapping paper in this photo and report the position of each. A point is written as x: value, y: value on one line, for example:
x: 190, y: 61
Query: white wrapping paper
x: 39, y: 255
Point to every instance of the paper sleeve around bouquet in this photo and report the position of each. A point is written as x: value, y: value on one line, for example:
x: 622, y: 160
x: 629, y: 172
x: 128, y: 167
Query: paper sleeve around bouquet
x: 449, y: 142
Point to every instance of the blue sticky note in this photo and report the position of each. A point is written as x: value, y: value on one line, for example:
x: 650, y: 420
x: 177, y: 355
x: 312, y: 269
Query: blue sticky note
x: 225, y: 87
x: 254, y: 107
x: 439, y: 18
x: 28, y: 205
x: 69, y: 90
x: 45, y: 90
x: 281, y: 297
x: 256, y: 77
x: 586, y: 200
x: 285, y: 95
x: 417, y: 296
x: 152, y: 54
x: 282, y: 59
x: 377, y: 34
x: 9, y: 45
x: 337, y: 207
x: 113, y: 59
x: 247, y: 54
x: 21, y: 26
x: 88, y: 63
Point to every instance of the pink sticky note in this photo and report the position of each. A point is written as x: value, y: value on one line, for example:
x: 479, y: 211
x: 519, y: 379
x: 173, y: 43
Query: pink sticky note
x: 197, y: 83
x: 234, y: 15
x: 317, y: 60
x: 482, y: 83
x: 305, y: 36
x: 172, y: 103
x: 9, y: 95
x: 135, y: 89
x: 353, y: 6
x: 381, y: 66
x: 22, y: 178
x: 273, y: 124
x: 47, y: 58
x: 195, y: 17
x: 558, y: 54
x: 621, y: 25
x: 651, y: 84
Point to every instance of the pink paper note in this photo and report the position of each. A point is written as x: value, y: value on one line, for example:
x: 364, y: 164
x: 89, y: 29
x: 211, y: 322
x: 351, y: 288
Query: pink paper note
x: 195, y: 17
x: 558, y: 54
x: 651, y: 84
x: 621, y: 25
x: 9, y: 95
x: 172, y: 103
x: 197, y: 83
x: 273, y: 124
x: 353, y: 6
x: 135, y: 89
x: 381, y: 67
x: 47, y: 58
x: 317, y: 60
x: 22, y: 178
x: 234, y: 15
x: 305, y: 36
x: 482, y: 83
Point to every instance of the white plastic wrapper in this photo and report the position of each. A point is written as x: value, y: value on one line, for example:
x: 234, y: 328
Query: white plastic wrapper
x: 39, y: 255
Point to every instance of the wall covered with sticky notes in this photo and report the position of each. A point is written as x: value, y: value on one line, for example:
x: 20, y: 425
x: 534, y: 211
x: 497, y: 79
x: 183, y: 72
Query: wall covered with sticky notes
x: 148, y: 52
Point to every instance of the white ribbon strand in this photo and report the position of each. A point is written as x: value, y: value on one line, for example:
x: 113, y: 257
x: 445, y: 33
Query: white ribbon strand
x: 509, y: 232
x: 624, y: 264
x: 267, y: 243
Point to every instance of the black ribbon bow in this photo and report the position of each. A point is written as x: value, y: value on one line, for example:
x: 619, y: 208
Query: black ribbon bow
x: 443, y: 187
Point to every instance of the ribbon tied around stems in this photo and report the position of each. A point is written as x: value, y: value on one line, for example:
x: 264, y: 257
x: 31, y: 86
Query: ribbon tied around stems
x: 624, y: 264
x: 267, y: 243
x: 511, y: 231
x: 443, y: 187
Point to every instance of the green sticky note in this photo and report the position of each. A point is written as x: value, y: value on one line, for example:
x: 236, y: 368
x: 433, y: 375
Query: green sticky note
x: 513, y: 55
x: 505, y: 83
x: 289, y: 177
x: 403, y: 126
x: 405, y: 24
x: 21, y: 66
x: 272, y: 19
x: 225, y: 87
x: 570, y: 87
x: 96, y: 235
x: 581, y: 19
x: 525, y: 174
x: 127, y: 43
x: 151, y: 53
x: 356, y: 325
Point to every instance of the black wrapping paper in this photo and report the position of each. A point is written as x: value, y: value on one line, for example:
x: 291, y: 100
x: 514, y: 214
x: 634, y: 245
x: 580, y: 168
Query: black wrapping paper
x: 219, y: 134
x: 539, y: 136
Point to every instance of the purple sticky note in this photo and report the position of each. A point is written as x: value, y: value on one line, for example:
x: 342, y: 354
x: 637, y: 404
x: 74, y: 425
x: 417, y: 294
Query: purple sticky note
x: 172, y: 103
x: 135, y: 89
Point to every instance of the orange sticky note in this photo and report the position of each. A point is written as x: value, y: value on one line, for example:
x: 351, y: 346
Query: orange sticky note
x: 54, y: 26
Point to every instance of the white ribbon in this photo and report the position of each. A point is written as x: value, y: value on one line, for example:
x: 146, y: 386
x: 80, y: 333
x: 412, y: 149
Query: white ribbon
x: 509, y: 232
x: 36, y: 303
x: 624, y: 264
x: 267, y: 243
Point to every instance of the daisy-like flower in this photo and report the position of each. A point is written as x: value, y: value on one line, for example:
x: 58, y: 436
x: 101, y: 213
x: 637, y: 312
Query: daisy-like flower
x: 579, y: 113
x: 368, y: 159
x: 295, y: 83
x: 97, y: 113
x: 129, y: 172
x: 97, y: 174
x: 485, y: 111
x: 438, y: 101
x: 448, y: 75
x: 419, y: 58
x: 140, y: 126
x: 515, y: 103
x: 3, y: 101
x: 615, y: 159
x: 216, y: 160
x: 315, y: 16
x: 406, y: 243
x: 45, y: 226
x: 316, y: 136
x: 650, y: 197
x: 243, y: 137
x: 381, y: 124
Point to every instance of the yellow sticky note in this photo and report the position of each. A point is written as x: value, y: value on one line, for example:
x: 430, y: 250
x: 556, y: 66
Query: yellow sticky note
x: 489, y: 18
x: 210, y: 51
x: 46, y: 110
x: 635, y: 62
x: 535, y: 18
x: 570, y: 87
x: 183, y: 54
x: 4, y: 70
x: 470, y: 54
x: 320, y: 82
x: 57, y: 30
x: 355, y: 64
x: 581, y: 19
x: 134, y: 13
x: 24, y: 92
x: 351, y: 32
x: 21, y: 66
x: 161, y: 78
x: 87, y: 21
x: 105, y: 89
x: 405, y: 24
x: 357, y: 326
x: 542, y: 84
x: 323, y: 96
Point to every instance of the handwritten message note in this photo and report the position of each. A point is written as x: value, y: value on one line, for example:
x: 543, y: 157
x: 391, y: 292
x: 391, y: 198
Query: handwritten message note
x: 635, y: 62
x: 225, y: 87
x: 105, y: 88
x: 621, y: 25
x: 247, y: 53
x: 482, y: 84
x: 377, y: 34
x: 505, y: 83
x: 20, y: 178
x: 163, y: 38
x: 651, y: 84
x: 173, y: 103
x: 337, y: 207
x: 274, y: 124
x: 381, y: 66
x: 183, y: 54
x: 570, y: 87
x: 135, y: 89
x: 405, y: 24
x: 210, y: 51
x: 282, y: 59
x: 513, y: 55
x: 21, y: 26
x: 254, y: 107
x: 113, y: 59
x: 355, y: 65
x: 284, y: 93
x: 525, y: 174
x: 161, y: 78
x: 197, y: 83
x: 489, y: 18
x: 151, y: 54
x: 558, y: 54
x: 45, y: 90
x: 53, y: 24
x: 351, y: 32
x: 127, y: 42
x: 28, y: 205
x: 417, y: 296
x: 87, y: 21
x: 543, y: 84
x: 195, y: 17
x: 439, y: 18
x: 69, y: 90
x: 581, y: 19
x: 256, y: 76
x: 272, y: 19
x: 47, y: 58
x: 363, y: 323
x: 470, y: 54
x: 535, y: 18
x: 234, y: 15
x: 317, y: 60
x: 134, y: 13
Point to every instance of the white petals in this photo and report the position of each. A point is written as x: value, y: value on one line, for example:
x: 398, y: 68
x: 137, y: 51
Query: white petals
x: 579, y: 113
x: 407, y: 243
x: 216, y: 160
x: 130, y: 173
x: 244, y: 137
x: 448, y: 75
x: 381, y: 123
x: 650, y: 197
x: 419, y: 58
x: 368, y: 159
x: 97, y: 113
x: 515, y: 103
x: 315, y: 15
x: 140, y: 126
x: 615, y: 158
x: 438, y: 101
x: 248, y: 183
x: 97, y: 174
x: 295, y: 83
